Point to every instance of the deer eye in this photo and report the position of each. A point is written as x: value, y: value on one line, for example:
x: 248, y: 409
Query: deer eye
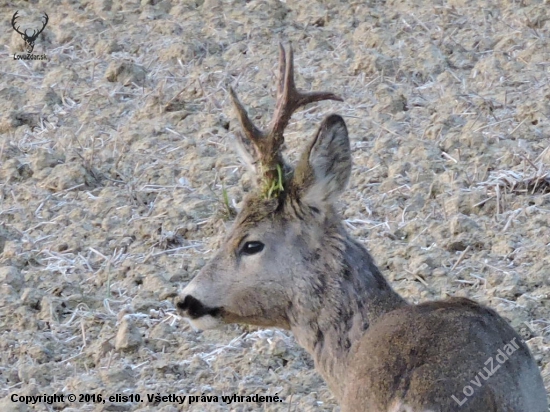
x: 251, y: 248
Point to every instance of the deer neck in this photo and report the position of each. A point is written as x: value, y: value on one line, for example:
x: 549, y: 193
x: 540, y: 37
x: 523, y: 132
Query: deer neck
x: 343, y: 309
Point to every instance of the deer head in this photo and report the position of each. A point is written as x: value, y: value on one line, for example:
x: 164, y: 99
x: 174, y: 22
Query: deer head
x: 287, y: 239
x: 264, y: 148
x: 29, y: 39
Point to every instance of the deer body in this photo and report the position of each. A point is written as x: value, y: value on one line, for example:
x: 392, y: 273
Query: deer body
x: 288, y: 262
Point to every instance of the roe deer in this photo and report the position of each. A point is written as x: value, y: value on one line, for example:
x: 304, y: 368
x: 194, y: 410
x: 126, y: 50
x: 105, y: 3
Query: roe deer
x: 289, y: 263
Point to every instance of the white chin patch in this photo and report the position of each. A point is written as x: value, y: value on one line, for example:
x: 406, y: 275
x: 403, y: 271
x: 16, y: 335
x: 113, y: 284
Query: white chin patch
x: 204, y: 322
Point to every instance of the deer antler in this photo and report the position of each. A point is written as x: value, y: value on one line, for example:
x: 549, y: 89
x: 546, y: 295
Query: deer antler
x: 29, y: 39
x: 268, y: 143
x: 36, y: 33
x: 13, y: 20
x: 46, y: 19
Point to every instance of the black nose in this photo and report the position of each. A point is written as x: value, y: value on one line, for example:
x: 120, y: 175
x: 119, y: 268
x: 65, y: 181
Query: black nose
x: 183, y: 304
x: 193, y: 308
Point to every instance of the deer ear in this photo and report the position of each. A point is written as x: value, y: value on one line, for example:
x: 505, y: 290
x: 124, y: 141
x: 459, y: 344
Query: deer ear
x: 325, y: 166
x: 247, y: 152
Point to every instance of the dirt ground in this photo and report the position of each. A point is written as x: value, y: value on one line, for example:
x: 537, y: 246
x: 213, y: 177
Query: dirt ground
x: 116, y: 151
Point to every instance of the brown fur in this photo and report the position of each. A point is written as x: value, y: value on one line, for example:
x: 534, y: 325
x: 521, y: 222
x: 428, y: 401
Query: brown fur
x: 377, y: 352
x: 425, y: 354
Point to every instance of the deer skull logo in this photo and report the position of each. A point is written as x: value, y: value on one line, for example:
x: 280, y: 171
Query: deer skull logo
x: 29, y: 38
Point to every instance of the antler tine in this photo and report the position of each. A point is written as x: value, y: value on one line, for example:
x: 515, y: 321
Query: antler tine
x: 289, y: 99
x: 249, y: 128
x: 46, y: 19
x: 13, y: 22
x: 281, y: 76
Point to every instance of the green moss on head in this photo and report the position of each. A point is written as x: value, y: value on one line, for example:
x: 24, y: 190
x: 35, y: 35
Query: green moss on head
x: 272, y: 187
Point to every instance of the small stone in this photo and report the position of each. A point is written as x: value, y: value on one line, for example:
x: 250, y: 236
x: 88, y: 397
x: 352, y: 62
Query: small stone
x: 462, y: 223
x: 128, y: 336
x: 65, y: 176
x: 277, y: 347
x: 117, y: 376
x: 42, y: 159
x: 12, y: 276
x: 125, y: 73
